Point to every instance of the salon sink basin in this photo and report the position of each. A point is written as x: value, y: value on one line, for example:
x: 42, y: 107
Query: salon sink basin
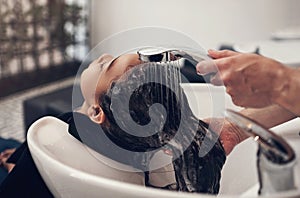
x: 70, y: 169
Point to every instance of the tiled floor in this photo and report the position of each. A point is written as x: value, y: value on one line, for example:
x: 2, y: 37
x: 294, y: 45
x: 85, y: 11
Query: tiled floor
x: 11, y: 109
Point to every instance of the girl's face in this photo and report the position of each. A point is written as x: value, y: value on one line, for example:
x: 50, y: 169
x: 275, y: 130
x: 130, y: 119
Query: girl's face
x: 97, y: 78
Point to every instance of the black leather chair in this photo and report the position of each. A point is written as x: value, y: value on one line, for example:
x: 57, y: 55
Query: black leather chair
x: 52, y: 104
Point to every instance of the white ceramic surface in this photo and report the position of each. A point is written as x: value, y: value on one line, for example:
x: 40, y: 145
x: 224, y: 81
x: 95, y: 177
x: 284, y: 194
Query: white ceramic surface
x: 70, y: 169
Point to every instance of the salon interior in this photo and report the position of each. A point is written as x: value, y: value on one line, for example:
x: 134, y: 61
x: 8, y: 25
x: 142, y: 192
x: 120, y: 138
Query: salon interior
x: 45, y: 46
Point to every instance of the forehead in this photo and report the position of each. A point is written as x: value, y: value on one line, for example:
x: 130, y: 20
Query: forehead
x: 124, y: 61
x: 114, y: 70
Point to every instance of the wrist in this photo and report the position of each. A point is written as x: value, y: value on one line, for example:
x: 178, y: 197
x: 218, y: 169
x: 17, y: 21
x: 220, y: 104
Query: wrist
x: 281, y: 82
x: 240, y: 135
x: 286, y: 90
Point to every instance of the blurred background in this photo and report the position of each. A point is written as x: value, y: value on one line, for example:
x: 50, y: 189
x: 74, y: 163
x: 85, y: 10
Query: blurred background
x: 210, y: 23
x: 42, y: 42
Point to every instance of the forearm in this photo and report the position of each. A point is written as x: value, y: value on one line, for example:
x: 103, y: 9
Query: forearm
x: 269, y: 116
x: 287, y: 95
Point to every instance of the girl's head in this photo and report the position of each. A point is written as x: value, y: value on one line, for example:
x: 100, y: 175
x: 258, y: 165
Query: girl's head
x: 97, y: 78
x: 146, y: 110
x: 145, y: 107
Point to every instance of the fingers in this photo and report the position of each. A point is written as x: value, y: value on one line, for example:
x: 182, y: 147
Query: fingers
x: 6, y: 154
x: 9, y: 166
x: 4, y: 157
x: 206, y: 67
x: 216, y: 80
x: 8, y: 151
x: 222, y: 61
x: 221, y: 54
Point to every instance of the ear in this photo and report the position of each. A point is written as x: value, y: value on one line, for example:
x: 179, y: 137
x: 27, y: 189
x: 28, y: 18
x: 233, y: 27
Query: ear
x: 96, y: 114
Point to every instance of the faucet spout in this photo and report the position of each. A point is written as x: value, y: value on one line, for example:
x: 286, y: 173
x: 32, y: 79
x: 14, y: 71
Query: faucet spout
x: 274, y: 174
x: 275, y: 157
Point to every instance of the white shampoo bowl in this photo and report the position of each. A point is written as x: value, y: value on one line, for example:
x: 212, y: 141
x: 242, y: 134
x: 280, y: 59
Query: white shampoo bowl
x: 70, y: 169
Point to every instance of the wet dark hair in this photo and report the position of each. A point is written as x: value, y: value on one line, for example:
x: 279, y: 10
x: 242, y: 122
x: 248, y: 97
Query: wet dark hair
x: 175, y: 126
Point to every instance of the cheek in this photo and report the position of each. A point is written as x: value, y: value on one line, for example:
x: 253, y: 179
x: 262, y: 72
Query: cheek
x: 88, y: 84
x: 84, y: 89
